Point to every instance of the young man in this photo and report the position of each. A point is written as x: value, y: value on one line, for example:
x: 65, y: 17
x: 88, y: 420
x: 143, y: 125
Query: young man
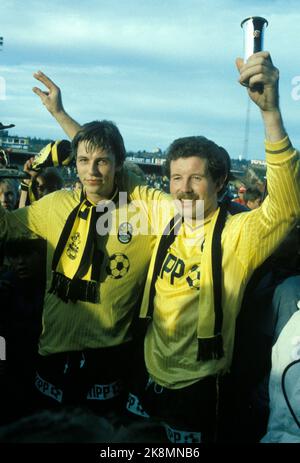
x: 94, y: 281
x: 199, y: 270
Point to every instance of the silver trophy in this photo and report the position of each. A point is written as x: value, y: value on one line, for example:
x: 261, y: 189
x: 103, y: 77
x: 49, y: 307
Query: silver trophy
x: 254, y: 28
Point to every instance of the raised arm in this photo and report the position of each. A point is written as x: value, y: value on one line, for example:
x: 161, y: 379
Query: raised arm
x: 51, y: 98
x: 261, y: 231
x: 261, y: 77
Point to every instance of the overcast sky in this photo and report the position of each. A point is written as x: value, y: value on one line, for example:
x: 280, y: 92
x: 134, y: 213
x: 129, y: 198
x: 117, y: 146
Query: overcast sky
x: 160, y: 69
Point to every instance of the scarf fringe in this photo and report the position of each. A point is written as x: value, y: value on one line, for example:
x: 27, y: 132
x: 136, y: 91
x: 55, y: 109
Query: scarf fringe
x: 73, y: 290
x: 210, y: 348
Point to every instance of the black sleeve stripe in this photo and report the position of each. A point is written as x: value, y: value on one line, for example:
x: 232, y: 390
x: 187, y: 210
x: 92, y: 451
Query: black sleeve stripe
x: 280, y: 151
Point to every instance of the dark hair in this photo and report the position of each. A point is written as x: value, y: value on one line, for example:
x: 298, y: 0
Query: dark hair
x: 101, y: 134
x: 52, y: 177
x: 218, y: 160
x: 251, y: 194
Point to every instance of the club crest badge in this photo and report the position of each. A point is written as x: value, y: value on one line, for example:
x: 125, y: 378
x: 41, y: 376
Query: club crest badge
x: 125, y: 232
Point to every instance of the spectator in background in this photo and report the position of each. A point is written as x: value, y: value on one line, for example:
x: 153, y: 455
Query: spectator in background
x: 253, y: 198
x: 43, y: 177
x: 77, y: 185
x: 8, y: 200
x: 270, y: 300
x: 3, y: 159
x: 47, y: 181
x: 284, y: 386
x: 158, y: 181
x: 240, y: 198
x: 21, y: 293
x: 43, y: 182
x: 8, y: 194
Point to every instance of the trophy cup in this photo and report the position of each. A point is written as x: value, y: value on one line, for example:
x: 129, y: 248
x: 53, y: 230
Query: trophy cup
x: 254, y: 28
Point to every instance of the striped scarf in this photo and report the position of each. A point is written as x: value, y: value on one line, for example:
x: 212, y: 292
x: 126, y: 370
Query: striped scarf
x: 77, y: 259
x: 210, y: 318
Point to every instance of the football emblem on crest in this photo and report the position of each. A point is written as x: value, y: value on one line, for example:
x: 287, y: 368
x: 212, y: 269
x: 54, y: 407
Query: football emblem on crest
x: 193, y: 277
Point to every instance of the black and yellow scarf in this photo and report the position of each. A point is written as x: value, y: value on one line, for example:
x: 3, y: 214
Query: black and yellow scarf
x: 77, y: 259
x: 210, y: 317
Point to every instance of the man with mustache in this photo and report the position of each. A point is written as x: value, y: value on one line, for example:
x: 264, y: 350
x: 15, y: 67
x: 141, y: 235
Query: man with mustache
x: 195, y: 287
x: 200, y: 268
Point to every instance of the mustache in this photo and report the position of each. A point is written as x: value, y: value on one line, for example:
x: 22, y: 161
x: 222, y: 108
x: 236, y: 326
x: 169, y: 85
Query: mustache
x: 191, y: 196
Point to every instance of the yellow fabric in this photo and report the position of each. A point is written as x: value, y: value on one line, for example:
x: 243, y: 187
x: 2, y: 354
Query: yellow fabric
x: 54, y: 155
x: 42, y: 156
x: 31, y: 195
x: 247, y: 240
x: 74, y: 248
x: 206, y: 318
x: 83, y: 325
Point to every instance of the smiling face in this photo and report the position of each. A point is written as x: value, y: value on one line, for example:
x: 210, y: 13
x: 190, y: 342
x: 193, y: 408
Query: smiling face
x: 190, y: 179
x: 96, y: 169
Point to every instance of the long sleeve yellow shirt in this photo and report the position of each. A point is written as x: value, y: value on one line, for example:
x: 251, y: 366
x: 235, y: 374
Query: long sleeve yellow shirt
x: 247, y: 240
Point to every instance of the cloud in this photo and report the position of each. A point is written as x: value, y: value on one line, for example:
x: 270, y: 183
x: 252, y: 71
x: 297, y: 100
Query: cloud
x: 159, y: 69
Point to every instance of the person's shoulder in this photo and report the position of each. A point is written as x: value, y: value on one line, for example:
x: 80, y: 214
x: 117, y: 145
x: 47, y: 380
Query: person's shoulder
x: 237, y: 215
x: 127, y: 179
x: 58, y: 199
x: 63, y: 194
x: 153, y: 194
